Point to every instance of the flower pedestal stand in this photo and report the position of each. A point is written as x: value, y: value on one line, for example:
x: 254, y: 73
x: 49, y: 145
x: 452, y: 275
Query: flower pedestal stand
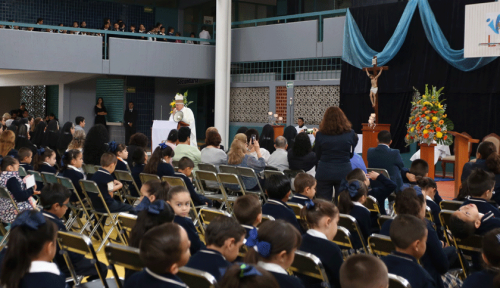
x: 278, y: 131
x: 427, y: 154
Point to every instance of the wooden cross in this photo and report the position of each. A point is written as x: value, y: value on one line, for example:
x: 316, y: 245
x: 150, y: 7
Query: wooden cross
x: 375, y: 69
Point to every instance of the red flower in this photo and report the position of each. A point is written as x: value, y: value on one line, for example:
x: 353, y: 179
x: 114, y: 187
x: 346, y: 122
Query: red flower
x: 426, y: 136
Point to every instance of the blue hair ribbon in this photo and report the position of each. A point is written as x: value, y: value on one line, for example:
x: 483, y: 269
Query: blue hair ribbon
x: 262, y: 247
x: 248, y: 270
x: 40, y: 151
x: 163, y: 146
x: 353, y: 188
x: 309, y: 204
x: 30, y: 220
x: 156, y: 207
x: 112, y: 146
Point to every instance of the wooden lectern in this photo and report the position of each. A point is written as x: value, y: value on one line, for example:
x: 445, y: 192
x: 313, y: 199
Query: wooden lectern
x: 370, y: 137
x: 427, y: 154
x: 278, y: 131
x: 181, y: 124
x: 462, y: 143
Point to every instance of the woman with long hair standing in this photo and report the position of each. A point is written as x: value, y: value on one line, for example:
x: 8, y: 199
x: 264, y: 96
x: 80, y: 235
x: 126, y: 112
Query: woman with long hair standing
x: 100, y: 113
x: 95, y: 145
x: 335, y: 142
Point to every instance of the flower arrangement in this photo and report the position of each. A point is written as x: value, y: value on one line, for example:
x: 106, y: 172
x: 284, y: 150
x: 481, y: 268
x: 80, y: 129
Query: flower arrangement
x: 186, y: 103
x: 428, y: 121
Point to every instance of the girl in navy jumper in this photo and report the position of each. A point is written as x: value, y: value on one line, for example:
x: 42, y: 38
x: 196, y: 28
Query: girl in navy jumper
x: 73, y: 161
x: 321, y: 217
x: 247, y: 276
x: 163, y: 250
x: 429, y: 188
x: 273, y: 248
x: 10, y: 179
x: 180, y: 200
x: 139, y: 160
x: 120, y: 150
x: 32, y: 246
x: 491, y: 256
x: 159, y: 162
x: 45, y: 162
x: 351, y: 201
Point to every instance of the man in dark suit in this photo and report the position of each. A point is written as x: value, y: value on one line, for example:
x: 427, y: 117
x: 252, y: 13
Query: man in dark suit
x: 130, y: 121
x: 386, y: 158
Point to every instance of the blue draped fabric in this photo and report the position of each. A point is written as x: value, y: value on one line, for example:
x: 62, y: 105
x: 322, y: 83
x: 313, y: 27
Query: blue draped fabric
x: 357, y: 53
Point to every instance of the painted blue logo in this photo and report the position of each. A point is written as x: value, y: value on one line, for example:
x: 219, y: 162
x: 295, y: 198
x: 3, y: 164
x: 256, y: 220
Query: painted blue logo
x: 494, y: 25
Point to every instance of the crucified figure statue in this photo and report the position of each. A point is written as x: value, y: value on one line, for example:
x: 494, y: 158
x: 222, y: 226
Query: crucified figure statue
x: 374, y: 89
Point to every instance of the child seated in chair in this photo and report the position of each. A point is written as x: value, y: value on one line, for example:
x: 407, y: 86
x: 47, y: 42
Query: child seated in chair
x: 163, y: 250
x: 121, y: 153
x: 409, y: 235
x: 248, y: 211
x: 247, y: 276
x: 25, y: 157
x: 224, y: 237
x: 45, y: 162
x: 322, y: 217
x: 186, y: 167
x: 480, y: 185
x: 180, y: 200
x: 429, y: 188
x: 278, y: 190
x: 73, y: 161
x: 305, y: 189
x: 418, y: 169
x: 149, y: 194
x: 384, y: 188
x: 363, y: 271
x: 54, y: 200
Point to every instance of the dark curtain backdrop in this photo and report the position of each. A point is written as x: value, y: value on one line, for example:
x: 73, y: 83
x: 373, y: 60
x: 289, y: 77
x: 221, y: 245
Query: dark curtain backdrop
x: 472, y: 98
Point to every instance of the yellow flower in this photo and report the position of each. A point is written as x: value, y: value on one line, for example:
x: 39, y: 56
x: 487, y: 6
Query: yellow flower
x: 426, y: 131
x: 434, y: 118
x: 424, y: 97
x: 439, y: 135
x: 428, y: 118
x: 427, y: 103
x: 440, y: 106
x: 412, y: 129
x: 445, y: 115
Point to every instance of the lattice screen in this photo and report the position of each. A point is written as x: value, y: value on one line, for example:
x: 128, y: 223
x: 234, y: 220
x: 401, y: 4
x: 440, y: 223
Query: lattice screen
x: 310, y: 102
x: 249, y: 105
x: 281, y: 101
x: 34, y: 97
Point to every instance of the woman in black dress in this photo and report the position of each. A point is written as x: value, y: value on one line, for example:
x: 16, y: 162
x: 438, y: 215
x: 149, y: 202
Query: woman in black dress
x: 100, y: 113
x: 65, y: 137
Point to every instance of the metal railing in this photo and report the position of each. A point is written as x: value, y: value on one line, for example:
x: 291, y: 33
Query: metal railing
x: 105, y: 34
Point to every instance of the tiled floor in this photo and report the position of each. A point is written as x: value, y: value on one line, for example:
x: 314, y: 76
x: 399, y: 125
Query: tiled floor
x: 446, y: 189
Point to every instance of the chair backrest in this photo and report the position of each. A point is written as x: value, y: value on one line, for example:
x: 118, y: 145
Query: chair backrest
x: 231, y: 179
x: 209, y: 176
x: 174, y: 181
x: 309, y: 265
x: 66, y: 182
x: 127, y: 222
x: 343, y: 237
x: 372, y: 204
x: 209, y: 214
x: 396, y: 281
x: 265, y: 218
x: 382, y: 219
x: 175, y: 163
x: 292, y: 173
x: 351, y: 224
x: 268, y: 173
x: 452, y: 205
x: 145, y: 177
x: 22, y: 171
x: 380, y: 245
x: 49, y: 177
x: 5, y: 194
x: 428, y: 214
x: 493, y: 138
x: 89, y: 168
x: 121, y: 255
x: 228, y: 169
x: 379, y: 171
x: 296, y: 207
x: 196, y: 278
x: 38, y: 176
x: 207, y: 167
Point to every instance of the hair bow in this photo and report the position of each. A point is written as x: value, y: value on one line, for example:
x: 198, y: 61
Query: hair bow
x: 417, y: 189
x: 262, y: 247
x: 40, y: 151
x: 112, y: 146
x: 30, y: 220
x: 343, y: 185
x: 163, y: 145
x: 310, y: 204
x: 248, y: 270
x: 353, y: 188
x: 156, y: 207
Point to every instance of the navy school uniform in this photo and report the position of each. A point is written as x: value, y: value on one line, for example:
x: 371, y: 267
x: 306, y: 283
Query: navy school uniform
x: 193, y: 236
x: 26, y: 166
x: 17, y: 191
x: 147, y: 278
x: 435, y: 209
x: 210, y: 261
x: 407, y: 267
x: 437, y: 197
x: 488, y: 223
x: 299, y: 199
x: 329, y: 253
x: 483, y: 206
x: 482, y: 278
x: 43, y: 275
x: 44, y: 167
x: 82, y: 265
x: 121, y: 165
x: 136, y: 171
x: 281, y: 276
x: 248, y: 228
x: 363, y: 217
x: 75, y: 176
x: 381, y: 191
x: 279, y: 210
x: 13, y: 153
x: 102, y: 177
x: 435, y: 261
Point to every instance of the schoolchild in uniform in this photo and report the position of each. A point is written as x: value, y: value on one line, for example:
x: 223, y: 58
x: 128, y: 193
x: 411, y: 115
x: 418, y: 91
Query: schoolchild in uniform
x: 409, y: 235
x: 159, y: 163
x: 248, y: 211
x: 121, y: 152
x: 273, y: 248
x: 243, y: 275
x: 186, y: 167
x: 139, y: 160
x: 148, y: 193
x: 73, y: 161
x: 32, y: 246
x: 363, y: 271
x: 322, y: 217
x: 429, y: 188
x: 351, y: 199
x: 180, y: 200
x: 481, y: 186
x: 54, y: 200
x: 224, y: 237
x: 305, y: 189
x: 278, y: 190
x: 163, y: 250
x: 25, y: 157
x: 418, y: 169
x: 45, y: 162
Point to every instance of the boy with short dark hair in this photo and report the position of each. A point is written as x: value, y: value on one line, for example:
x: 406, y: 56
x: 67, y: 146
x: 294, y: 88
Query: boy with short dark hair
x: 418, y: 169
x: 25, y: 158
x: 278, y: 190
x: 363, y: 271
x: 54, y: 200
x: 186, y: 167
x: 480, y: 185
x: 305, y: 188
x: 409, y: 236
x: 224, y: 237
x: 248, y: 211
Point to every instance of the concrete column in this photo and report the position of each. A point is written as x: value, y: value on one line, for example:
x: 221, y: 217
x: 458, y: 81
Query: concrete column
x: 63, y: 107
x: 222, y: 68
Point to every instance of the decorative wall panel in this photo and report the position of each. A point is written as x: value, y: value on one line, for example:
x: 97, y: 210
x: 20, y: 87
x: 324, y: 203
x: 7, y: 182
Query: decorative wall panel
x: 281, y: 101
x: 249, y: 105
x: 34, y: 97
x: 310, y: 102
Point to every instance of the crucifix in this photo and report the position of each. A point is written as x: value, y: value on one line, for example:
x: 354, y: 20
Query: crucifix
x: 374, y: 80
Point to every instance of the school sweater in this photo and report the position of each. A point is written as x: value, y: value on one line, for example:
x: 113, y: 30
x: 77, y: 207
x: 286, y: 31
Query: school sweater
x: 435, y: 209
x: 279, y: 210
x: 482, y: 206
x: 381, y: 188
x: 299, y: 199
x: 121, y: 165
x: 407, y: 267
x: 193, y: 236
x: 329, y: 253
x: 281, y: 276
x: 75, y: 176
x: 102, y: 177
x: 363, y: 217
x: 136, y: 171
x: 147, y: 278
x: 26, y: 166
x: 43, y: 275
x: 210, y: 261
x: 482, y: 278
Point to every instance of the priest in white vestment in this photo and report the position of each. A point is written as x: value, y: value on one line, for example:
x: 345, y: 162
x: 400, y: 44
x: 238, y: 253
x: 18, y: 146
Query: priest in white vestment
x: 188, y: 117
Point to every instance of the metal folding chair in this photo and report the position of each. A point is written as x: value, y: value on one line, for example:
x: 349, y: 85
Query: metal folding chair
x: 451, y: 205
x: 382, y: 219
x: 127, y: 180
x: 49, y: 178
x: 127, y: 257
x: 207, y: 167
x: 265, y: 218
x: 228, y: 169
x: 296, y: 208
x: 196, y: 278
x: 22, y: 172
x: 380, y: 245
x: 309, y: 265
x: 209, y: 214
x: 222, y: 198
x: 89, y: 169
x: 343, y: 238
x: 145, y: 177
x: 350, y: 223
x: 379, y: 171
x: 6, y: 196
x: 372, y: 204
x: 396, y: 281
x: 250, y: 173
x: 268, y: 173
x: 126, y: 222
x: 37, y: 175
